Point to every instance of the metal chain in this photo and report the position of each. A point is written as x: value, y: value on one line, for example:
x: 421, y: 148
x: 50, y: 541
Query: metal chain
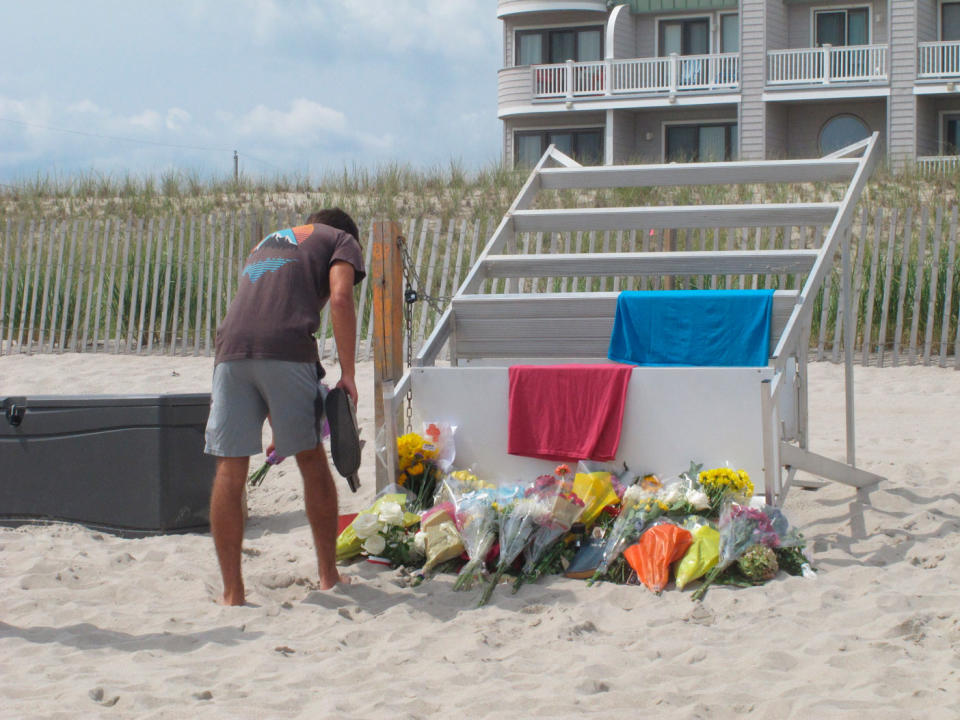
x: 416, y: 289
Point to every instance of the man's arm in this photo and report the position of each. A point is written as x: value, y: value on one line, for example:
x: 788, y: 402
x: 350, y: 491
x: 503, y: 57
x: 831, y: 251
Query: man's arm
x: 344, y: 318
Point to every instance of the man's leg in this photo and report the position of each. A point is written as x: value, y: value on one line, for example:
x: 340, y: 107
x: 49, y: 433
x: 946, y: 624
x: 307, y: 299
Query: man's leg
x: 320, y: 498
x: 226, y: 524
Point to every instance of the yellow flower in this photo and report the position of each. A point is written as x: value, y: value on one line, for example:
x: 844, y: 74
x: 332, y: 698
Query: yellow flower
x: 416, y: 469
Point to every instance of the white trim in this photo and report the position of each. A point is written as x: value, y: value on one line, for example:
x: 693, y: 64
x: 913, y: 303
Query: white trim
x: 685, y: 16
x: 611, y: 30
x: 941, y: 117
x: 662, y: 101
x: 837, y: 94
x: 518, y: 7
x: 840, y: 8
x: 664, y: 124
x: 939, y: 88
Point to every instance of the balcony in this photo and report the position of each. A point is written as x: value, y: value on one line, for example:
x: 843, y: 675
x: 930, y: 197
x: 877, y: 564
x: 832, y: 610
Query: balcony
x: 938, y: 60
x: 638, y: 76
x: 938, y: 164
x: 827, y: 65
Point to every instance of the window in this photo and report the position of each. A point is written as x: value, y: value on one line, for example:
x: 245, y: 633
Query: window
x: 684, y: 37
x: 584, y: 146
x: 710, y: 142
x: 730, y: 33
x: 842, y: 27
x: 538, y: 47
x: 951, y: 135
x: 840, y: 131
x: 950, y: 21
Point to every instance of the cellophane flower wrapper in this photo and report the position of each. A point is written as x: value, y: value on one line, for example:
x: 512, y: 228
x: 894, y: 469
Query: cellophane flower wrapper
x: 518, y: 521
x: 476, y: 520
x: 596, y: 491
x: 442, y: 437
x: 661, y: 545
x: 703, y: 553
x: 565, y: 508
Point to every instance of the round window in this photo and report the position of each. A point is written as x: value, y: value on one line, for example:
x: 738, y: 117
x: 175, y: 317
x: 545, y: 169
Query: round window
x: 840, y: 131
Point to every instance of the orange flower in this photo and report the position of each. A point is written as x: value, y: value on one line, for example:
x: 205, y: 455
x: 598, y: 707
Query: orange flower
x: 433, y: 431
x: 562, y: 470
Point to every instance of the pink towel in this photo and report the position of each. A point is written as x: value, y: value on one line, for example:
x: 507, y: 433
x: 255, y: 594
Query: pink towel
x: 567, y: 412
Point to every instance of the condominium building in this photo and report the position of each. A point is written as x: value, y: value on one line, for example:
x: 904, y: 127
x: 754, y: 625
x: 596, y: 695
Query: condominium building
x: 702, y: 80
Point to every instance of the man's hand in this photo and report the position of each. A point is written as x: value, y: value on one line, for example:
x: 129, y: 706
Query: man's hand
x: 350, y: 385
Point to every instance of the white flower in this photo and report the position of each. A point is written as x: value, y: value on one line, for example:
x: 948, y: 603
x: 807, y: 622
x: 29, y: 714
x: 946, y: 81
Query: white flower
x: 391, y: 513
x: 366, y: 525
x: 375, y: 544
x: 698, y: 499
x: 634, y: 495
x: 420, y: 542
x: 672, y: 493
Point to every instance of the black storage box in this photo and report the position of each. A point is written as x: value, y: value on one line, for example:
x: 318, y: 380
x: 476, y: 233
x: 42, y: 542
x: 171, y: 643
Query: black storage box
x: 132, y: 464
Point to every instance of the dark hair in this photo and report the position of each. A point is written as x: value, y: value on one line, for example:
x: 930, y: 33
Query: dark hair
x: 335, y: 217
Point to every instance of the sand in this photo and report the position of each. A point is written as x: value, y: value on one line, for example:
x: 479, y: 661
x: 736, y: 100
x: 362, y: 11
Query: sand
x: 92, y: 625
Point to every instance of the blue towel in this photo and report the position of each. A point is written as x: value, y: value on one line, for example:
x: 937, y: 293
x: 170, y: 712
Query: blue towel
x: 729, y: 328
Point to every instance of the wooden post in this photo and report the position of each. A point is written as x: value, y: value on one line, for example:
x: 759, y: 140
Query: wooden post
x: 386, y: 274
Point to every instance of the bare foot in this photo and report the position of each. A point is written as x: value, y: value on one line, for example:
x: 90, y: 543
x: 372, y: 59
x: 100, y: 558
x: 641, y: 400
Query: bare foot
x: 232, y: 600
x: 339, y: 579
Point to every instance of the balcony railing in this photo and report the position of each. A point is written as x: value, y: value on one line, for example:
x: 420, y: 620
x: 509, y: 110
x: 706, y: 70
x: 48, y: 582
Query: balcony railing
x: 937, y: 164
x: 826, y: 65
x: 671, y: 74
x: 939, y: 60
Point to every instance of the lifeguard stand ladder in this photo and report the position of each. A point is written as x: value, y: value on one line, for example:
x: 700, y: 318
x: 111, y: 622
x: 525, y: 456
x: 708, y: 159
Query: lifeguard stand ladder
x: 486, y: 331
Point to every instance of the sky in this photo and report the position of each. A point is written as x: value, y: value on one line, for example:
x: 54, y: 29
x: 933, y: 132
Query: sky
x: 296, y: 86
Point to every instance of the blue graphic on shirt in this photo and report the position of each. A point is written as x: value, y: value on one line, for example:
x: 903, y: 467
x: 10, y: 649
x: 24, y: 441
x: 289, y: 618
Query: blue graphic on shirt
x: 257, y: 270
x: 281, y: 240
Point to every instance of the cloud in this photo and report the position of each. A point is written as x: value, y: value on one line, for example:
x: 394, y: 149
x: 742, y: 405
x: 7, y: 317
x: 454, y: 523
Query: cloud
x: 147, y: 120
x: 177, y: 118
x: 306, y: 123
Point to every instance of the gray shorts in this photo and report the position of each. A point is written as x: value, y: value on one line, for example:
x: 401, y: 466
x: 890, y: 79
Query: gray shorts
x: 246, y: 391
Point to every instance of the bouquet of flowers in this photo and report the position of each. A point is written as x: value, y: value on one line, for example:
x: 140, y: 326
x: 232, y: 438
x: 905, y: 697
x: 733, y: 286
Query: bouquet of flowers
x: 658, y: 548
x: 742, y: 528
x: 721, y: 483
x: 418, y: 471
x: 565, y: 509
x: 350, y: 542
x: 518, y: 521
x: 476, y: 519
x: 257, y: 476
x: 385, y: 534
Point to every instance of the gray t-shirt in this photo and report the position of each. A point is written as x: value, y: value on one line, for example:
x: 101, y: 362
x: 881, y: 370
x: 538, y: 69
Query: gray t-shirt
x: 284, y: 286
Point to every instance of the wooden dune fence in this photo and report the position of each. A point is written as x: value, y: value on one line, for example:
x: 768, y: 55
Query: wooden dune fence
x: 161, y: 285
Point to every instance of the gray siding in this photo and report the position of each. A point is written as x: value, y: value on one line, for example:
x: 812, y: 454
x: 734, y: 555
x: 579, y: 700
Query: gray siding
x: 624, y: 137
x: 514, y: 86
x: 752, y: 78
x: 777, y: 125
x: 776, y: 25
x: 927, y: 21
x: 806, y: 120
x: 652, y: 122
x: 903, y: 72
x: 543, y: 20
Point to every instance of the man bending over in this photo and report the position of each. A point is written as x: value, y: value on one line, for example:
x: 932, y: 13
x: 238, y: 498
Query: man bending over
x: 267, y: 365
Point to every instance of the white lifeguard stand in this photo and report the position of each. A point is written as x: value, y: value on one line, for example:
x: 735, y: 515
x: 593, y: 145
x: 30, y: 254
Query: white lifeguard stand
x: 670, y: 418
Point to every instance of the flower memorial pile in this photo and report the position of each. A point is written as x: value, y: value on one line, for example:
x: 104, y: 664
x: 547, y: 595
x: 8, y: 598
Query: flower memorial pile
x: 599, y: 524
